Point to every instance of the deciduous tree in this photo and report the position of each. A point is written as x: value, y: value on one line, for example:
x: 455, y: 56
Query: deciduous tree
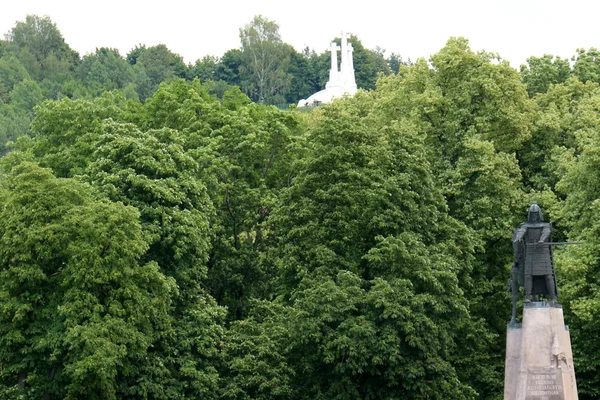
x: 264, y: 72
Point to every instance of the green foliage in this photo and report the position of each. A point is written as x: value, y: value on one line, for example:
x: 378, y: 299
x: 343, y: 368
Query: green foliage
x: 358, y: 225
x: 579, y: 266
x: 105, y: 70
x: 587, y: 65
x: 304, y: 77
x: 26, y: 95
x: 368, y: 64
x: 13, y: 124
x: 150, y: 171
x: 542, y: 72
x: 229, y: 68
x: 263, y: 75
x: 155, y: 65
x: 474, y: 115
x: 205, y: 69
x: 41, y: 47
x: 559, y: 113
x: 79, y: 310
x: 395, y: 61
x: 201, y: 245
x: 11, y: 73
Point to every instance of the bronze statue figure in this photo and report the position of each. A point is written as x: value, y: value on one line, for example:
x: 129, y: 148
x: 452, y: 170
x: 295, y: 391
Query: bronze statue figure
x: 533, y: 266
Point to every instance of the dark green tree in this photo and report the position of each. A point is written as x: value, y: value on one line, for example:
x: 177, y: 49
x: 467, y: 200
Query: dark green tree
x: 205, y: 69
x: 577, y: 267
x: 150, y: 171
x: 104, y: 70
x: 541, y: 72
x: 41, y: 48
x: 79, y: 308
x: 369, y: 281
x: 304, y: 78
x: 155, y: 65
x: 475, y: 114
x: 228, y: 69
x: 587, y: 65
x: 368, y: 64
x: 11, y: 73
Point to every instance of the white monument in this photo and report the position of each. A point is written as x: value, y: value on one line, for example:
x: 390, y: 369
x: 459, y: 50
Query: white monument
x: 539, y: 361
x: 341, y: 81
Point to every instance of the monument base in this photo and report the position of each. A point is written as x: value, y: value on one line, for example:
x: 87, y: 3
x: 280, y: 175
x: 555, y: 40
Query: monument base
x: 539, y: 360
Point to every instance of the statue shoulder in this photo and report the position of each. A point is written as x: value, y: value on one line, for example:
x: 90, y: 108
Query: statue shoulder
x: 519, y: 232
x: 535, y: 225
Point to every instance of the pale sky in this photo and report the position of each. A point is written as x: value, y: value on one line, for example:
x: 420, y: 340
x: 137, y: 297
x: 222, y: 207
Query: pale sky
x: 516, y: 29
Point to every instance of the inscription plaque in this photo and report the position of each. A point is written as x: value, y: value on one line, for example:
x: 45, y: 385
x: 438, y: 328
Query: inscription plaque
x: 545, y: 384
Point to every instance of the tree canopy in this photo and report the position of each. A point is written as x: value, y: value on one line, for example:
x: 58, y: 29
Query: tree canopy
x: 168, y: 233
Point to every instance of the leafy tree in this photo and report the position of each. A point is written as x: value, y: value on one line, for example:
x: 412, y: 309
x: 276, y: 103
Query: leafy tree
x: 26, y: 95
x: 246, y: 151
x: 41, y: 47
x: 104, y: 70
x: 395, y: 61
x: 578, y: 266
x: 368, y: 64
x: 206, y: 68
x: 257, y: 351
x: 255, y: 151
x: 66, y: 132
x: 15, y: 117
x: 11, y: 73
x: 587, y: 65
x: 79, y: 310
x: 155, y: 65
x: 228, y: 69
x: 150, y: 171
x: 541, y: 72
x: 304, y: 78
x: 475, y: 114
x: 263, y: 74
x: 134, y: 53
x: 14, y: 123
x: 358, y: 225
x: 557, y: 118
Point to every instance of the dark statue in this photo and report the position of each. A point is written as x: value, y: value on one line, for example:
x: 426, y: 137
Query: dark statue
x: 533, y: 266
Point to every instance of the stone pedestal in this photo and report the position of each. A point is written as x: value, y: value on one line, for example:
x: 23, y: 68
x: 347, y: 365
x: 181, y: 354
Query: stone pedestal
x: 539, y: 360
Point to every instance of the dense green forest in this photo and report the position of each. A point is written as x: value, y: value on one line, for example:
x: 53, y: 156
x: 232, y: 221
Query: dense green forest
x: 36, y: 64
x: 168, y: 233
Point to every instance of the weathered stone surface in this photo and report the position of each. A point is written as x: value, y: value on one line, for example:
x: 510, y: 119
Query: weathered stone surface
x: 539, y: 360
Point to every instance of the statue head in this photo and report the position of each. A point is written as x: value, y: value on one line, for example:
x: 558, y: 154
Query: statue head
x: 535, y: 214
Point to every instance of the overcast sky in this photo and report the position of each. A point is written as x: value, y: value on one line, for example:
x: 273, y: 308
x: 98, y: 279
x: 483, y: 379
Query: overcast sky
x: 193, y: 29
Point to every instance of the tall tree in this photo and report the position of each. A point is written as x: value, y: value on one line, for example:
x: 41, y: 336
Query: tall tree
x: 579, y: 215
x: 368, y: 64
x: 11, y: 73
x: 79, y: 309
x: 104, y: 70
x: 541, y: 72
x: 155, y: 65
x: 475, y: 114
x: 557, y: 118
x: 368, y: 307
x: 39, y: 38
x: 150, y: 171
x: 587, y: 65
x: 304, y: 77
x: 264, y: 73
